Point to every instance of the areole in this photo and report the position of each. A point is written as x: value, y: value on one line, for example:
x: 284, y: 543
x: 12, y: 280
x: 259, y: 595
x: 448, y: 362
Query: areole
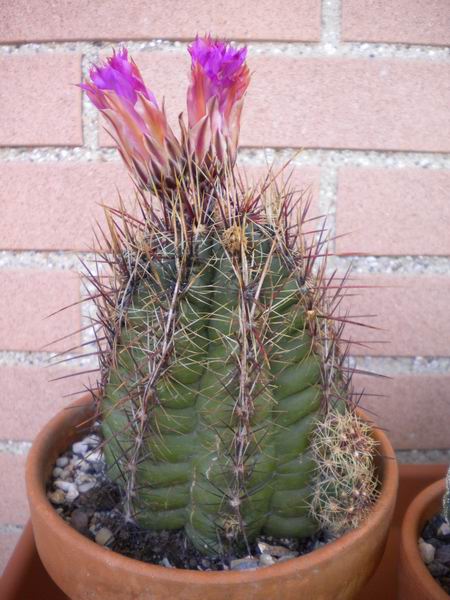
x: 84, y: 570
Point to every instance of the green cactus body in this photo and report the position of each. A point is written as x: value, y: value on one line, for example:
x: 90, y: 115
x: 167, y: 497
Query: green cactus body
x: 213, y: 393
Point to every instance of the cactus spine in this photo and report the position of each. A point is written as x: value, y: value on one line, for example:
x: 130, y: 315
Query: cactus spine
x: 220, y: 346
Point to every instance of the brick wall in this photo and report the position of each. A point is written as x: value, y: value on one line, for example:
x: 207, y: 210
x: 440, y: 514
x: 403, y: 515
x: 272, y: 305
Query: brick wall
x: 362, y: 85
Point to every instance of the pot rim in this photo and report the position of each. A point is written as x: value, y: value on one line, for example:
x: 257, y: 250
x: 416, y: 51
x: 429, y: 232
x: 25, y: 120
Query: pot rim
x: 411, y: 526
x: 38, y: 500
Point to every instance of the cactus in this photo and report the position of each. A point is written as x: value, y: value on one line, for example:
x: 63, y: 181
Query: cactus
x: 345, y: 484
x: 218, y: 332
x: 446, y: 499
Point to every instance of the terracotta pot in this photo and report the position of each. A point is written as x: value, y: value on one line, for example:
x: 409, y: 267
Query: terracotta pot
x: 414, y: 580
x: 84, y: 570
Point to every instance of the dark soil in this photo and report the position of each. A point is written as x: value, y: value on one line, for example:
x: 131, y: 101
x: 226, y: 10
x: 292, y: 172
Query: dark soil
x: 100, y: 509
x: 170, y: 548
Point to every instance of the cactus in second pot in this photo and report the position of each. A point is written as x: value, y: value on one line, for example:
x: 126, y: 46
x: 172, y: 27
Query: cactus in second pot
x: 446, y: 499
x: 220, y: 347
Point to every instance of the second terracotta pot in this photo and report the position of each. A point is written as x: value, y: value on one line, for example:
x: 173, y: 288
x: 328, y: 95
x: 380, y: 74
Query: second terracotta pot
x: 414, y: 579
x: 84, y: 570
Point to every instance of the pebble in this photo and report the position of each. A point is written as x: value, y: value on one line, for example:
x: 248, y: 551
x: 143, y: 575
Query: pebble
x: 277, y: 551
x: 443, y: 554
x: 72, y: 493
x: 444, y: 530
x: 242, y: 564
x: 57, y: 497
x: 266, y: 560
x: 79, y: 519
x: 318, y: 544
x: 57, y: 472
x: 63, y: 485
x: 104, y: 536
x: 427, y: 551
x: 86, y: 487
x: 166, y: 563
x: 91, y: 440
x: 287, y: 556
x: 84, y: 478
x: 437, y: 569
x: 62, y: 461
x: 428, y: 531
x: 66, y: 474
x: 94, y: 456
x: 79, y: 448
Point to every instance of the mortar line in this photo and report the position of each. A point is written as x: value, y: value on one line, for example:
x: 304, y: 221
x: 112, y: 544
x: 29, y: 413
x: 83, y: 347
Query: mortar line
x: 360, y: 264
x: 402, y: 365
x: 418, y: 456
x: 89, y: 113
x: 262, y: 156
x: 16, y: 447
x: 44, y: 259
x: 420, y: 265
x: 327, y: 200
x: 48, y: 360
x: 331, y: 17
x: 344, y: 156
x: 322, y: 49
x: 6, y: 528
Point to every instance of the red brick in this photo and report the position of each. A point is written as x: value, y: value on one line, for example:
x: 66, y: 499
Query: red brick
x: 7, y: 545
x: 255, y: 19
x: 327, y: 103
x: 56, y: 204
x: 29, y: 398
x: 27, y: 297
x: 39, y: 105
x: 404, y: 21
x: 415, y: 410
x: 13, y: 499
x: 393, y: 211
x: 347, y: 103
x: 412, y: 312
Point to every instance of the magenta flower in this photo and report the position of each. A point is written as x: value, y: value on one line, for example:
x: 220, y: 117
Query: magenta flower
x: 222, y: 71
x: 120, y: 76
x: 145, y: 140
x: 219, y: 79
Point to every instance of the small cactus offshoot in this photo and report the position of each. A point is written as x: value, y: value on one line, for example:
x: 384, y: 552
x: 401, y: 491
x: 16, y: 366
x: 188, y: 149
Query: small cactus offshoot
x: 345, y: 484
x: 219, y: 333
